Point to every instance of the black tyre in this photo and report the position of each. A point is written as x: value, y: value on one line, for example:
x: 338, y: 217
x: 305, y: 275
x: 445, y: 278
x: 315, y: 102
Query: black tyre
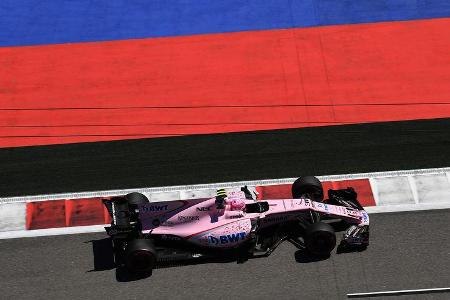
x: 134, y: 199
x: 320, y: 239
x: 308, y: 187
x: 140, y: 256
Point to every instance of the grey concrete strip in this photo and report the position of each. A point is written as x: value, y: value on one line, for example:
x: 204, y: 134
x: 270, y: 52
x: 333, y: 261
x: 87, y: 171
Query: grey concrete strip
x: 12, y: 216
x: 407, y: 251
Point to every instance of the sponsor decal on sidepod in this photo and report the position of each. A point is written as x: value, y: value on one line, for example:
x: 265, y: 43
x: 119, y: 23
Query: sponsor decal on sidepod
x: 227, y: 239
x: 186, y: 219
x: 203, y: 208
x: 155, y: 208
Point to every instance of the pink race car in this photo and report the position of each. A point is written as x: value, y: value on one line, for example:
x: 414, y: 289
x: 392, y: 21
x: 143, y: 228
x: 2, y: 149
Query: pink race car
x: 148, y: 233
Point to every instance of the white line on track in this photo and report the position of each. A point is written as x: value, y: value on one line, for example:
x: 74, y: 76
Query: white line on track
x: 399, y: 292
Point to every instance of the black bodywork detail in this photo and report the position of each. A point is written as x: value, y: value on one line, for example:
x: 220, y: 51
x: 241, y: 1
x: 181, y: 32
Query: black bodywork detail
x: 344, y: 197
x: 257, y: 207
x: 248, y: 194
x: 355, y: 238
x: 220, y: 202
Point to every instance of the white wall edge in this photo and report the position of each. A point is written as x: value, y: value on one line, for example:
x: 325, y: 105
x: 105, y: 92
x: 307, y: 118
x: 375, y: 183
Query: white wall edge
x: 413, y: 187
x: 406, y: 207
x: 51, y: 231
x: 374, y: 186
x: 448, y: 176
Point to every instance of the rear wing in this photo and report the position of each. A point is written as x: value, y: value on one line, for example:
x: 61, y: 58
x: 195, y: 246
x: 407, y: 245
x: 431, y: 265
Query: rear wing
x: 122, y: 218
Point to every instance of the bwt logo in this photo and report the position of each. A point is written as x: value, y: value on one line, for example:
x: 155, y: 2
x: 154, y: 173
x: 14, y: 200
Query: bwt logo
x: 226, y: 239
x: 365, y: 217
x: 155, y: 208
x: 322, y: 205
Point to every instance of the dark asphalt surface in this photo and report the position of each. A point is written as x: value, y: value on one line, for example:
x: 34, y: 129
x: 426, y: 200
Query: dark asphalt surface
x: 408, y: 251
x: 225, y: 157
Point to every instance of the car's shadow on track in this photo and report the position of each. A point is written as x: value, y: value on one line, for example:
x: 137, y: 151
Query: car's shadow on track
x: 303, y: 256
x: 104, y: 260
x: 103, y: 255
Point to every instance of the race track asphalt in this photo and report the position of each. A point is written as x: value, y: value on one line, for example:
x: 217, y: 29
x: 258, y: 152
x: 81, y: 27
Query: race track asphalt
x: 409, y: 250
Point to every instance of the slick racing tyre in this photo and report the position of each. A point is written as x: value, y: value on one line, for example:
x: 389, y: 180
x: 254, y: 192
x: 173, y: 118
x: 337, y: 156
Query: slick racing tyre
x: 320, y: 239
x: 140, y: 256
x: 308, y: 187
x: 134, y: 199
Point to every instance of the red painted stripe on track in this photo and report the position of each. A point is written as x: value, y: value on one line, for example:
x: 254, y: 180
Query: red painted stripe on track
x: 45, y: 214
x: 65, y: 213
x: 354, y: 73
x: 81, y: 212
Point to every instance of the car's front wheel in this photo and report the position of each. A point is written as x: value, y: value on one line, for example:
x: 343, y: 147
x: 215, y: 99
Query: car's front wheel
x: 307, y: 187
x: 320, y: 239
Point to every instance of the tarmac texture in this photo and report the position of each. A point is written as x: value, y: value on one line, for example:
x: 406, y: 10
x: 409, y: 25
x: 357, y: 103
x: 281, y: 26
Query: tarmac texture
x: 407, y: 251
x: 199, y: 159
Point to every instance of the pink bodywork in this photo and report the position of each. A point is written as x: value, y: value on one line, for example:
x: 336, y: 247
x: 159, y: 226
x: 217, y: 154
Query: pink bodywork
x: 200, y: 222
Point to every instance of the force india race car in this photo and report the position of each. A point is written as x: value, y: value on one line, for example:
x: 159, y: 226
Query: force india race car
x: 146, y: 234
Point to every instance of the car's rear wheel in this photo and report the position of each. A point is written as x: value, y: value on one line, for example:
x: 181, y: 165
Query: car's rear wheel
x: 140, y: 256
x: 320, y: 239
x: 134, y: 199
x: 308, y: 187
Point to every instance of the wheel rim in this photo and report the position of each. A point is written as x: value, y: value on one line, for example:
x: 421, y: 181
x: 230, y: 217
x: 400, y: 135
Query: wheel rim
x: 140, y: 261
x: 315, y: 194
x: 312, y: 193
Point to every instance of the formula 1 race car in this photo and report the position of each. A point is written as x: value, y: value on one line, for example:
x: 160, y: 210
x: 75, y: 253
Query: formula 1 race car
x: 146, y: 234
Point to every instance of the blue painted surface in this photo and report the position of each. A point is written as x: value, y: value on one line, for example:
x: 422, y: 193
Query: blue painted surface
x: 30, y: 22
